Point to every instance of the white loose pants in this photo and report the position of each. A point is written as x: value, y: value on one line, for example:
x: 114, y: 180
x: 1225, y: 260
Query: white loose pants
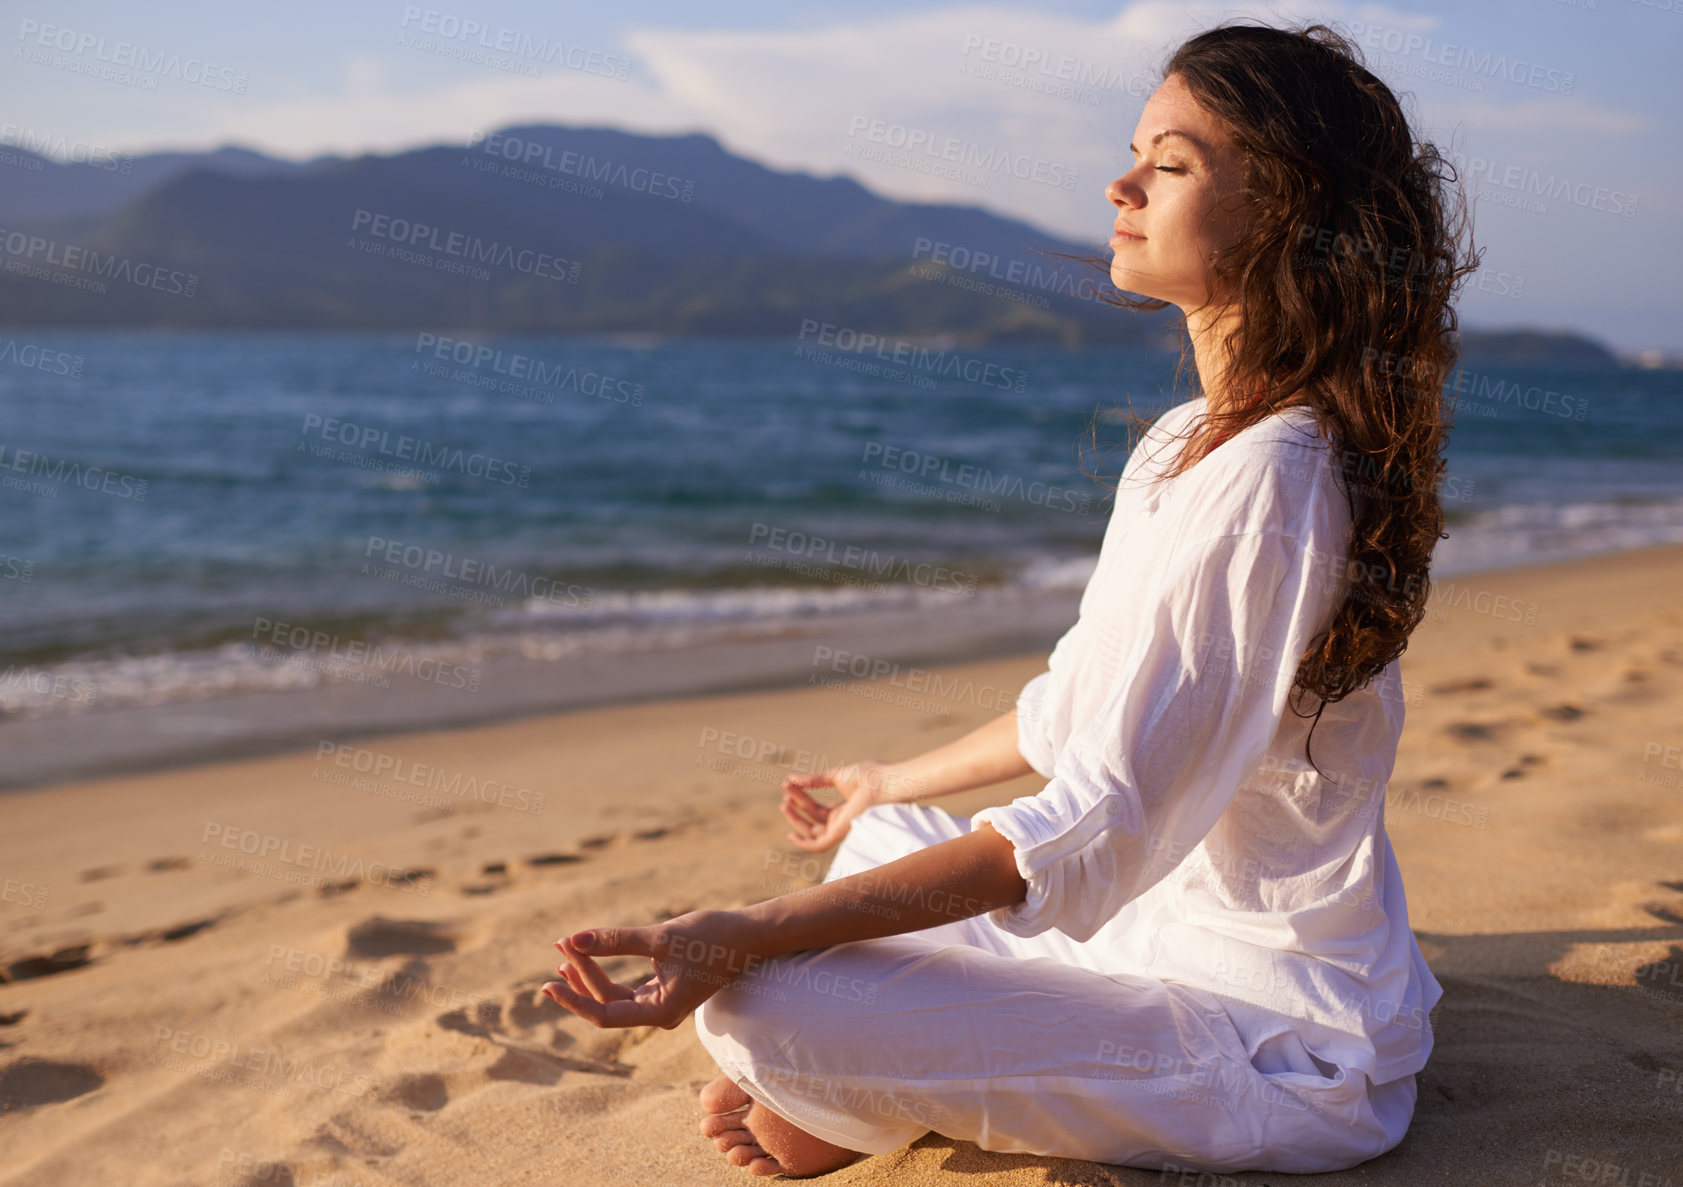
x: 1021, y: 1046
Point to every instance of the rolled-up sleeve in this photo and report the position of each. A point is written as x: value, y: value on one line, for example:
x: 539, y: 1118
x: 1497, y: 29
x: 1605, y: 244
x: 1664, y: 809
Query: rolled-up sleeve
x: 1193, y: 708
x: 1034, y: 740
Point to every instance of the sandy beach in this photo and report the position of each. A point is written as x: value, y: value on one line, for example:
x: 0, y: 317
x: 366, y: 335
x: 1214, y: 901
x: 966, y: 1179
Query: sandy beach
x: 322, y: 967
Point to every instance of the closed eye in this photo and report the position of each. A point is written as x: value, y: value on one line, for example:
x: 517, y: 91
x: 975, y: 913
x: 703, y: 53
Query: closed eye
x: 1170, y: 169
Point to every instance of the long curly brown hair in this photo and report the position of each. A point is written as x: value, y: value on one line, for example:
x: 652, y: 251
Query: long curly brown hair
x: 1343, y: 283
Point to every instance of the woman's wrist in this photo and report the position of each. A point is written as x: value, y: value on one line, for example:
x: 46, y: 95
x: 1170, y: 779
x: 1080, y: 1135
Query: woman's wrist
x: 895, y: 784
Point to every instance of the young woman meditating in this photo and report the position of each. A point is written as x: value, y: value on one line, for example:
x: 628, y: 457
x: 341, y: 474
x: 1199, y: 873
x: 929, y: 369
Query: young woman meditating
x: 1191, y: 949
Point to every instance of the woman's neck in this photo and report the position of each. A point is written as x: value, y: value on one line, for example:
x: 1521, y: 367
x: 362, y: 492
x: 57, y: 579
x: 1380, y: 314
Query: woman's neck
x: 1210, y: 332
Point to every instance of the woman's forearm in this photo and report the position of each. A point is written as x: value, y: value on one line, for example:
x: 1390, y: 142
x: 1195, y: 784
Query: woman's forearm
x: 955, y: 879
x: 699, y: 953
x: 986, y: 755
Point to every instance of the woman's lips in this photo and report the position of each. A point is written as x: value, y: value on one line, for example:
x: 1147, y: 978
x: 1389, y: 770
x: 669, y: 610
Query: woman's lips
x: 1122, y: 237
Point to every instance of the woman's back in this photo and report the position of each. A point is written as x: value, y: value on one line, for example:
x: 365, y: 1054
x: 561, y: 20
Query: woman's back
x: 1290, y: 901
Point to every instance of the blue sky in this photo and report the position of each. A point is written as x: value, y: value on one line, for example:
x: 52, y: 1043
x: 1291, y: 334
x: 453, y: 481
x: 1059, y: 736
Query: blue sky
x: 1566, y: 115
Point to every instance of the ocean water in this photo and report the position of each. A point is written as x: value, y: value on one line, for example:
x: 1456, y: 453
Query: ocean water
x: 190, y: 516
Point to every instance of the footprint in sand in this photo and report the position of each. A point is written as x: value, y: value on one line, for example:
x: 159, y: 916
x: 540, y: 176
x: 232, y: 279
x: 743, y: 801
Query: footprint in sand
x: 427, y: 1093
x: 484, y: 1019
x: 61, y: 961
x: 1474, y: 731
x: 161, y: 865
x: 553, y: 859
x: 379, y: 936
x: 520, y: 1062
x: 1566, y: 711
x: 1526, y: 762
x: 29, y: 1083
x: 99, y: 872
x: 1476, y: 684
x: 182, y: 930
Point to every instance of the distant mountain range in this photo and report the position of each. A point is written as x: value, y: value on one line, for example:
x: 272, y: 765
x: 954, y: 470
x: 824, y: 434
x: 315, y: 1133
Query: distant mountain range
x: 546, y: 229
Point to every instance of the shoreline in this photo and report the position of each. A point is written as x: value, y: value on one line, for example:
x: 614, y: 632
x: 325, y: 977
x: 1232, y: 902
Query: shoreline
x: 144, y: 739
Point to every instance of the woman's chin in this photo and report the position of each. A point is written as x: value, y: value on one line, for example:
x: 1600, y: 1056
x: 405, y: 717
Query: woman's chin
x: 1130, y: 281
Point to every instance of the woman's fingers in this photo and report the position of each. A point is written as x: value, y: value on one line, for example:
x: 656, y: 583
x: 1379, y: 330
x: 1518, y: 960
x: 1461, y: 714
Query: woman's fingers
x: 583, y: 1004
x: 621, y: 1012
x: 571, y: 976
x: 809, y: 779
x: 806, y: 805
x: 792, y: 813
x: 600, y: 986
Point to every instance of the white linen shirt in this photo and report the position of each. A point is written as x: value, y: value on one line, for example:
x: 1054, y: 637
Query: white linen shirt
x: 1183, y: 833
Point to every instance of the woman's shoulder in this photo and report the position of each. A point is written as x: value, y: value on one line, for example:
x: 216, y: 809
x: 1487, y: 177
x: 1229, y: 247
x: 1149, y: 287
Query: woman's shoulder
x: 1280, y: 474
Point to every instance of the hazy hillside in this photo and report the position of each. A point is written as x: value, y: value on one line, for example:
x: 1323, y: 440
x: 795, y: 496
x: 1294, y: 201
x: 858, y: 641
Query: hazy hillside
x: 550, y: 229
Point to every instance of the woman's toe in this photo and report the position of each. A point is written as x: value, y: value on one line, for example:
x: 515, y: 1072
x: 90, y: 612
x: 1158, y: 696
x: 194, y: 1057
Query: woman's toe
x: 726, y: 1142
x: 718, y: 1124
x: 752, y: 1158
x: 722, y: 1096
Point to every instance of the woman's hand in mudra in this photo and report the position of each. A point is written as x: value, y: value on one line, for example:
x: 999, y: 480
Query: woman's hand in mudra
x: 820, y: 826
x: 694, y: 956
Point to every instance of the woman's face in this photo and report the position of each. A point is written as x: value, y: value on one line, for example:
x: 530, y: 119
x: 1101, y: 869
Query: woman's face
x: 1180, y: 202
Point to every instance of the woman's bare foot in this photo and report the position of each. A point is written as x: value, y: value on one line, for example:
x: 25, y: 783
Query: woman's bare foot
x: 761, y: 1142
